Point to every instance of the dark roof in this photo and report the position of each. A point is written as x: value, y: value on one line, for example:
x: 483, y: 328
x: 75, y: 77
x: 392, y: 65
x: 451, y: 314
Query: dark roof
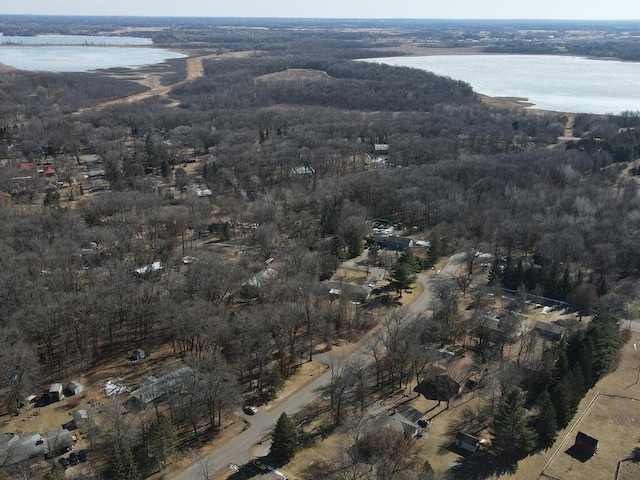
x: 349, y: 289
x: 394, y: 241
x: 467, y: 438
x: 584, y: 438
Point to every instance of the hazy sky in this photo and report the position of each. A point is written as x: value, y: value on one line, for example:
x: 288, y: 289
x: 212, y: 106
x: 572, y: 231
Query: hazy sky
x: 534, y: 9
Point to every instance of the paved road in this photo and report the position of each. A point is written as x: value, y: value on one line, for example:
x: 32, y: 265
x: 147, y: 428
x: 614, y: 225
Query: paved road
x: 236, y: 451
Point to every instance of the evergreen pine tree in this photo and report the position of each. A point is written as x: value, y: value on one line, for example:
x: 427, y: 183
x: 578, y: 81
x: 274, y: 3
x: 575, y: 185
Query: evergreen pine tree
x: 123, y: 466
x: 160, y: 440
x: 546, y: 423
x: 512, y: 439
x: 284, y: 445
x: 563, y: 401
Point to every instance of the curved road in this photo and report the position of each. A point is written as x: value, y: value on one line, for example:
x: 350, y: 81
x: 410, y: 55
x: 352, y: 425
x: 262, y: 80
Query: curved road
x: 236, y: 451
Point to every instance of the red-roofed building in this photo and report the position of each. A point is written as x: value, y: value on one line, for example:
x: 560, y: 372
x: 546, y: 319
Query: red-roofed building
x: 49, y: 171
x: 27, y: 166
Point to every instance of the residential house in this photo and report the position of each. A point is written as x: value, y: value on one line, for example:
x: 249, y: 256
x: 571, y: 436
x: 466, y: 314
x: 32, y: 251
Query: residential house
x: 550, y: 330
x: 155, y: 389
x: 351, y: 291
x: 398, y: 422
x: 15, y: 448
x: 392, y: 242
x: 448, y: 379
x: 502, y: 327
x: 381, y: 148
x: 58, y: 442
x: 255, y: 286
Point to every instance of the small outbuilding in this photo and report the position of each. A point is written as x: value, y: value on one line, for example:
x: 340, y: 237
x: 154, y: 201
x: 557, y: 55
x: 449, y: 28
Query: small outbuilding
x: 56, y: 392
x: 467, y: 442
x: 137, y: 355
x: 586, y: 444
x: 74, y: 387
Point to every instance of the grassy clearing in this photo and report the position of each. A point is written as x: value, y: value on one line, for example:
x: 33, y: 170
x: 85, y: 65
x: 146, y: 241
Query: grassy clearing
x: 613, y: 421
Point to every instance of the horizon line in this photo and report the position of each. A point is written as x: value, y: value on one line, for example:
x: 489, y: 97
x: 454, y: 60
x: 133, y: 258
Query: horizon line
x: 534, y: 19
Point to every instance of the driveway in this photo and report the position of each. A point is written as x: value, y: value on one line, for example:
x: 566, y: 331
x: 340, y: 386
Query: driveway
x: 236, y: 451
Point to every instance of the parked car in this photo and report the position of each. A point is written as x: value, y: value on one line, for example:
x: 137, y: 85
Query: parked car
x: 259, y: 465
x: 250, y: 410
x: 64, y: 463
x: 82, y: 456
x: 73, y: 459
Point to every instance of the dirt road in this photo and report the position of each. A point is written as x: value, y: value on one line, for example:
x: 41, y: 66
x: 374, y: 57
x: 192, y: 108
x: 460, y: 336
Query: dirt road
x: 195, y: 69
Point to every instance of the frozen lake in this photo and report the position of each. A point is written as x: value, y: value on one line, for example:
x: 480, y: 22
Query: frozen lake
x: 79, y: 53
x: 561, y: 83
x: 73, y: 40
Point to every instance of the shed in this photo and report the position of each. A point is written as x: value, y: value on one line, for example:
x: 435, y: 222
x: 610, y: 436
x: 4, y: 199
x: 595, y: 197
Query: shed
x: 56, y: 392
x: 586, y: 444
x: 75, y: 387
x: 79, y: 415
x: 137, y: 355
x: 467, y: 442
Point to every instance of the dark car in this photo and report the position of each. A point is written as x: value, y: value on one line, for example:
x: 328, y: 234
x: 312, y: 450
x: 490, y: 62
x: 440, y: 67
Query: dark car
x: 82, y: 456
x: 73, y: 459
x: 64, y: 463
x: 250, y: 410
x: 259, y: 465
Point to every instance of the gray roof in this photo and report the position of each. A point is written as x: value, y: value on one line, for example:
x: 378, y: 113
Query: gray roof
x: 58, y: 440
x: 552, y: 328
x: 170, y: 383
x: 467, y: 438
x: 397, y: 422
x: 73, y: 384
x: 16, y: 448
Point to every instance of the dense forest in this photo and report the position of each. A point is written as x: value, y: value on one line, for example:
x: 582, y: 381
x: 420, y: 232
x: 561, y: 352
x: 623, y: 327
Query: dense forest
x: 287, y: 141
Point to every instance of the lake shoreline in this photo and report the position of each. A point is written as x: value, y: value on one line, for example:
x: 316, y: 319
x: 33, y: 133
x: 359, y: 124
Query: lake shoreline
x: 552, y: 83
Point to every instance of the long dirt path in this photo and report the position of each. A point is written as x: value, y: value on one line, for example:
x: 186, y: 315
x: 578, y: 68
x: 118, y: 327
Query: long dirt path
x: 195, y: 69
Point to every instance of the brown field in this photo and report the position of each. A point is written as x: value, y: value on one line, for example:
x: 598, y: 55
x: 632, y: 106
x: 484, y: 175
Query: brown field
x: 614, y: 422
x: 349, y: 275
x: 629, y: 470
x: 611, y: 419
x: 293, y: 74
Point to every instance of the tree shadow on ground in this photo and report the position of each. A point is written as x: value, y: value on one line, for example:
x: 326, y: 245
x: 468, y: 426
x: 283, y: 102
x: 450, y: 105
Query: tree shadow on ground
x: 254, y: 469
x: 483, y: 465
